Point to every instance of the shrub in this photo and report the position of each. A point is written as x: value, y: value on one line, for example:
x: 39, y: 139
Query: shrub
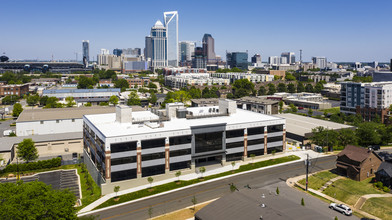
x: 42, y: 164
x: 385, y: 189
x: 379, y: 185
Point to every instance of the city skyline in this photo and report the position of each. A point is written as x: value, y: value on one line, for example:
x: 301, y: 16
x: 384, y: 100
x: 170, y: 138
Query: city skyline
x: 345, y: 32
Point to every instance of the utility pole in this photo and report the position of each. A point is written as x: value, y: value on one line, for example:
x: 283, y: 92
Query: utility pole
x: 307, y: 171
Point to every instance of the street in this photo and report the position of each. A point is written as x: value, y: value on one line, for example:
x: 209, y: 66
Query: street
x: 205, y: 192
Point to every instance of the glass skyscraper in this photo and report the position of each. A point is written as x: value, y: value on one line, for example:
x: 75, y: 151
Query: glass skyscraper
x: 171, y: 24
x: 159, y: 46
x: 86, y: 51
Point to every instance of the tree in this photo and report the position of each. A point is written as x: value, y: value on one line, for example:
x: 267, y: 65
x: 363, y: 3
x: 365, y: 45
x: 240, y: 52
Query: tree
x: 324, y: 137
x: 70, y: 101
x: 233, y: 187
x: 153, y: 98
x: 32, y: 100
x: 253, y: 157
x: 150, y: 212
x: 152, y: 85
x: 113, y: 100
x: 133, y: 99
x: 10, y: 99
x: 35, y: 200
x: 300, y: 87
x: 277, y: 190
x: 281, y: 106
x: 293, y: 108
x: 346, y: 137
x: 178, y: 174
x: 271, y: 89
x: 85, y: 82
x: 302, y: 202
x: 194, y: 202
x: 262, y: 91
x: 232, y: 165
x: 319, y: 86
x: 202, y: 170
x: 367, y: 134
x: 150, y: 180
x: 282, y: 87
x: 116, y: 189
x: 122, y: 84
x: 310, y: 112
x: 43, y: 100
x: 52, y: 102
x: 17, y: 110
x: 242, y: 87
x: 182, y: 96
x: 291, y: 88
x: 289, y: 77
x: 309, y: 88
x: 194, y: 93
x: 26, y: 150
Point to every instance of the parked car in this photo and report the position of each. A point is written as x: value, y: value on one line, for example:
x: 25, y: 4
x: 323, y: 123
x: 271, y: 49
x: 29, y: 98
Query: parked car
x: 374, y: 147
x: 341, y: 208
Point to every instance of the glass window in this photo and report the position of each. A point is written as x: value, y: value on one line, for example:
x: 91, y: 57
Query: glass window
x: 154, y: 170
x: 146, y: 144
x: 208, y: 142
x: 275, y: 128
x: 177, y: 153
x: 235, y: 133
x: 123, y: 160
x: 236, y: 156
x: 256, y: 141
x: 153, y: 156
x: 256, y: 152
x: 123, y: 175
x: 235, y: 144
x: 274, y: 139
x: 41, y: 122
x: 180, y: 140
x: 121, y: 147
x: 257, y: 130
x: 180, y: 165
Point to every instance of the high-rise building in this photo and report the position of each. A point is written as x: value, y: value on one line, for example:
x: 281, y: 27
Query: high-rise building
x: 104, y: 51
x: 198, y: 59
x: 274, y: 60
x: 159, y: 45
x: 186, y: 50
x: 237, y: 59
x: 208, y: 48
x: 171, y: 25
x: 86, y: 51
x: 320, y: 62
x: 290, y: 57
x: 148, y: 48
x: 117, y: 52
x: 256, y: 60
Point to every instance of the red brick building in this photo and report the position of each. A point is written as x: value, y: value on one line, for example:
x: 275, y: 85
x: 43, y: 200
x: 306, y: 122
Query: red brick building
x: 18, y: 90
x: 358, y: 163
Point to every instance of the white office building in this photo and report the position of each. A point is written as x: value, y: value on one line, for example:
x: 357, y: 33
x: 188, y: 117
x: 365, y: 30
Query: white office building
x: 320, y: 62
x: 171, y: 24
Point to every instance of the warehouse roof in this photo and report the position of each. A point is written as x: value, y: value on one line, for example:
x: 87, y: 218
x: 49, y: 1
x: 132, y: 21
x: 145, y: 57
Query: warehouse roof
x: 6, y: 143
x: 61, y: 113
x: 302, y: 125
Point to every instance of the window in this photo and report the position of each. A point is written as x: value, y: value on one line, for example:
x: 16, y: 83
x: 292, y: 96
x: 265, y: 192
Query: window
x: 208, y: 142
x: 121, y: 147
x: 153, y: 156
x: 154, y: 170
x: 180, y: 165
x: 123, y: 175
x: 274, y: 128
x: 146, y: 144
x: 235, y: 133
x: 256, y: 141
x: 177, y: 153
x: 180, y: 140
x: 57, y: 121
x: 236, y: 156
x: 257, y: 130
x: 73, y: 120
x: 274, y: 139
x: 235, y: 144
x: 256, y: 152
x: 123, y: 160
x: 42, y: 122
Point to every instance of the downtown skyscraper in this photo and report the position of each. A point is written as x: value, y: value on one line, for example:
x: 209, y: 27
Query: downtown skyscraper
x: 171, y: 24
x: 158, y: 45
x: 86, y: 51
x: 208, y: 48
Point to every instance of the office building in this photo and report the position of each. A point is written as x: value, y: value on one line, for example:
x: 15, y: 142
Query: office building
x: 382, y: 76
x: 83, y: 96
x: 256, y: 60
x: 148, y: 48
x: 187, y: 49
x: 86, y: 51
x: 117, y: 52
x: 159, y: 46
x: 126, y: 147
x: 171, y: 25
x: 290, y: 57
x: 304, y: 100
x: 135, y: 52
x: 14, y: 89
x: 134, y: 66
x: 320, y: 62
x: 254, y: 78
x: 199, y: 60
x: 104, y: 52
x: 209, y: 48
x: 237, y: 59
x: 274, y: 60
x: 182, y: 80
x: 259, y: 104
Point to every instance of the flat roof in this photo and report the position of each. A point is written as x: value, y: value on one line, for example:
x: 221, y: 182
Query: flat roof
x: 247, y: 204
x: 57, y: 91
x: 6, y: 143
x: 302, y: 125
x: 259, y: 100
x: 107, y: 125
x: 61, y: 113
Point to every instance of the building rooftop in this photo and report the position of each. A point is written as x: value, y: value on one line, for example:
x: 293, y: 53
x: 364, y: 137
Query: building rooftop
x: 61, y: 113
x: 259, y: 100
x: 355, y: 153
x: 248, y: 204
x: 205, y: 100
x: 107, y: 125
x: 58, y: 91
x: 6, y: 143
x: 302, y: 125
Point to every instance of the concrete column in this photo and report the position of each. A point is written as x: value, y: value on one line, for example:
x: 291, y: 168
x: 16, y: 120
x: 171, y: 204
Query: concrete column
x: 245, y: 144
x: 223, y: 162
x: 265, y: 140
x: 108, y: 166
x: 139, y: 160
x: 284, y: 138
x: 167, y: 155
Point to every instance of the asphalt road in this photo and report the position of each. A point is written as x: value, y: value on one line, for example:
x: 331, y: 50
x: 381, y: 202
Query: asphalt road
x: 205, y: 192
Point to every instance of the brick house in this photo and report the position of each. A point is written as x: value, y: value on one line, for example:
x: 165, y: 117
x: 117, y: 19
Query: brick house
x: 357, y: 163
x: 384, y: 174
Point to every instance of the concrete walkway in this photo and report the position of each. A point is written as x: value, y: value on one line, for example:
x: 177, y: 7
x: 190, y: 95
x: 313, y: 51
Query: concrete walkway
x: 302, y: 154
x: 329, y: 183
x: 361, y: 201
x: 292, y: 182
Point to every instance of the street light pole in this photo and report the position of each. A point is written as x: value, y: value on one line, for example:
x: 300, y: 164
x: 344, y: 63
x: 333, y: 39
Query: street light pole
x: 307, y: 171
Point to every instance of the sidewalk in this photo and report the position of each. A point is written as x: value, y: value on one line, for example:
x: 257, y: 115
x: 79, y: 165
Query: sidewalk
x: 292, y: 182
x: 361, y: 201
x: 229, y: 167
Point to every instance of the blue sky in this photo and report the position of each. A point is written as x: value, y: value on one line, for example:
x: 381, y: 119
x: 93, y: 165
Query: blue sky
x: 341, y: 30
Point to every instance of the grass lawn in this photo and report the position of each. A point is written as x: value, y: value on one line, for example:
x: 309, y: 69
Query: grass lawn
x: 332, y: 110
x: 175, y: 185
x: 380, y: 207
x: 349, y: 191
x: 181, y: 214
x: 319, y: 179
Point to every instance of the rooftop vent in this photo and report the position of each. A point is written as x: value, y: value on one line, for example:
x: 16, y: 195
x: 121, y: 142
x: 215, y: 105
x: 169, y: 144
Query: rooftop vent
x: 123, y: 114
